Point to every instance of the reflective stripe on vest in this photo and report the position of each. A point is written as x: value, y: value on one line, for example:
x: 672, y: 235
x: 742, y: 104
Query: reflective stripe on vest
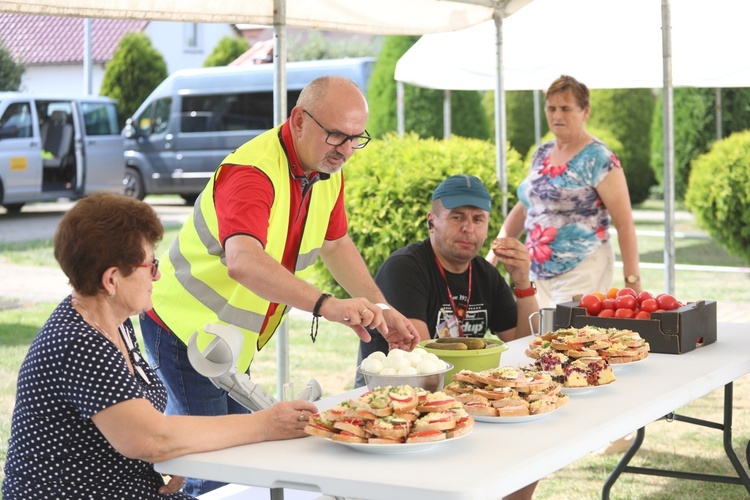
x: 195, y: 287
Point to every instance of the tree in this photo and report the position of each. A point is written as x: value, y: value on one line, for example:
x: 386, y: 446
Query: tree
x: 314, y: 45
x: 227, y: 50
x: 628, y: 114
x: 519, y: 118
x: 422, y: 107
x: 133, y: 73
x: 10, y: 71
x: 695, y: 128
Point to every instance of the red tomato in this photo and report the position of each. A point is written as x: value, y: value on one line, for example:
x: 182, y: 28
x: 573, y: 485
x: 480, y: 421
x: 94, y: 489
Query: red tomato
x: 624, y: 313
x: 625, y: 302
x: 591, y: 303
x: 644, y: 295
x: 627, y: 291
x: 643, y: 315
x: 607, y: 313
x: 608, y: 304
x: 667, y: 302
x: 649, y: 305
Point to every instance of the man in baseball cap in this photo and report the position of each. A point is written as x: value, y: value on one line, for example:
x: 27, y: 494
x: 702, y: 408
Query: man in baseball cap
x: 442, y: 284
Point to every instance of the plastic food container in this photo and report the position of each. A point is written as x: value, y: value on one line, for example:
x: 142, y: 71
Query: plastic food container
x: 432, y: 382
x: 475, y: 360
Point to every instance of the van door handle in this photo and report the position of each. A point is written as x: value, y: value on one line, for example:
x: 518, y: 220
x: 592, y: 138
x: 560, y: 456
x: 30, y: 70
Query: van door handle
x: 167, y: 139
x: 33, y: 144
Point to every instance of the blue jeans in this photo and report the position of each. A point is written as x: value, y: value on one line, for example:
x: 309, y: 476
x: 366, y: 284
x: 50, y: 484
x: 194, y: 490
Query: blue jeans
x: 188, y: 392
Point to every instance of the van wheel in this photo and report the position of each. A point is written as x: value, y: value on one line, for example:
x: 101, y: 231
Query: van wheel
x: 14, y: 208
x: 189, y: 198
x: 133, y: 184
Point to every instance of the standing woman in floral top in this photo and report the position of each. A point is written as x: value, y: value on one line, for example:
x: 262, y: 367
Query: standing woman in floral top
x: 575, y: 185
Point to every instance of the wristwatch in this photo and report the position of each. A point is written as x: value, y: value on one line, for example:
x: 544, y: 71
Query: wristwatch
x: 632, y: 278
x: 526, y: 292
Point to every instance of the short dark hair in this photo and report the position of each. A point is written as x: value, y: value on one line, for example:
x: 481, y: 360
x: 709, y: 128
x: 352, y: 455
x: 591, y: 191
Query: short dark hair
x: 565, y: 83
x: 102, y: 231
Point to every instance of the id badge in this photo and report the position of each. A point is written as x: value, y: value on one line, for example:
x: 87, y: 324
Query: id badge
x: 448, y: 328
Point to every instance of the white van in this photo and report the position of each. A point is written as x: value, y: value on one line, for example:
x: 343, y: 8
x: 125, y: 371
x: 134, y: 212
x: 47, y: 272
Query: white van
x: 193, y: 119
x: 57, y: 147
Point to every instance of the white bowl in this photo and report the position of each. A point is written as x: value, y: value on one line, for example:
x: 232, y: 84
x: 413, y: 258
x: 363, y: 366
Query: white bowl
x: 432, y: 382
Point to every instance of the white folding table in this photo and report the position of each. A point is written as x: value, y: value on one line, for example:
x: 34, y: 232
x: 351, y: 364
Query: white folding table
x: 498, y: 458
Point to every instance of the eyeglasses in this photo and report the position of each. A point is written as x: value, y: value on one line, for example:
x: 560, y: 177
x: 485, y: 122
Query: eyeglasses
x: 154, y: 267
x: 338, y: 139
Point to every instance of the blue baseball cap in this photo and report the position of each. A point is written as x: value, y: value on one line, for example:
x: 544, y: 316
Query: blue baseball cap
x: 462, y: 191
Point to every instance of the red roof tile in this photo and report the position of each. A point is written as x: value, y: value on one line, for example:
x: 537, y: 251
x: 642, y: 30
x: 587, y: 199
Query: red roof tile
x: 39, y: 40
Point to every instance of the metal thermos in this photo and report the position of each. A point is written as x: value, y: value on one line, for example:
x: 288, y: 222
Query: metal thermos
x: 546, y: 321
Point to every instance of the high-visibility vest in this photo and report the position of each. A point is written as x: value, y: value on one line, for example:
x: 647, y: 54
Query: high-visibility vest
x: 195, y: 288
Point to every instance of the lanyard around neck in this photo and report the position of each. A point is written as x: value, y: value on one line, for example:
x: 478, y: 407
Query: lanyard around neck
x: 460, y: 314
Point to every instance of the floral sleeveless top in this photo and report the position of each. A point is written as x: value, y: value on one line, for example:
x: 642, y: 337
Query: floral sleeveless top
x: 566, y: 220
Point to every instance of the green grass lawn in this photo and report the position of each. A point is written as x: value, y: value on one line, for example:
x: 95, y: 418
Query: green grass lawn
x: 332, y: 362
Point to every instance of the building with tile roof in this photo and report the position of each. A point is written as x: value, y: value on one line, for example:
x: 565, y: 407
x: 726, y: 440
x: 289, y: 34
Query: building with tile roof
x: 52, y: 48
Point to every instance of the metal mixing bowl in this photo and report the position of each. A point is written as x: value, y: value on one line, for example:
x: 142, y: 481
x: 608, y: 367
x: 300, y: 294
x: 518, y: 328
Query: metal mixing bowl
x: 432, y: 382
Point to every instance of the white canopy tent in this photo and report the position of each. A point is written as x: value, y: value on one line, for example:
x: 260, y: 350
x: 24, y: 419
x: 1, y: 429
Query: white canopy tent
x: 603, y: 43
x: 384, y: 17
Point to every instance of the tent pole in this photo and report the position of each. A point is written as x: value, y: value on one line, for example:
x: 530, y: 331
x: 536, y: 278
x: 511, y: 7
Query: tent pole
x: 500, y: 132
x: 400, y: 108
x: 279, y: 115
x: 719, y: 131
x: 669, y: 250
x: 446, y: 114
x: 537, y: 119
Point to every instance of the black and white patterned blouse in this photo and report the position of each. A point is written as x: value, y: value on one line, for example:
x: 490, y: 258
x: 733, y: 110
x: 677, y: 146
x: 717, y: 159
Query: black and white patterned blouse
x: 70, y: 373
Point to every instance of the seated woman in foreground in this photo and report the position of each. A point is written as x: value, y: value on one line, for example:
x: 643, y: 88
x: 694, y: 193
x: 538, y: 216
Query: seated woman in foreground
x: 88, y: 420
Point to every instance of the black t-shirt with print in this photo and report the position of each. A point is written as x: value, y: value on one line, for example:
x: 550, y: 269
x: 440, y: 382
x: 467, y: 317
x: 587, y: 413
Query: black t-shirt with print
x: 412, y: 283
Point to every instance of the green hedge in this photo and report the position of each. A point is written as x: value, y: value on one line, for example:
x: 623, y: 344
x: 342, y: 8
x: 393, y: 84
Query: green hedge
x: 718, y: 193
x: 389, y: 187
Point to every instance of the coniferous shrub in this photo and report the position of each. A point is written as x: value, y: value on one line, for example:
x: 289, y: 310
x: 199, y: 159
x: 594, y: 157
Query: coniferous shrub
x: 389, y: 187
x: 718, y: 193
x: 11, y: 70
x: 133, y: 73
x: 227, y: 50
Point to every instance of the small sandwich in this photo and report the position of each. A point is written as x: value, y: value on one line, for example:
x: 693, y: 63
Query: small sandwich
x: 464, y: 423
x: 468, y: 377
x: 436, y: 421
x: 465, y: 399
x: 512, y: 411
x: 484, y: 409
x: 493, y: 392
x: 373, y: 404
x: 426, y: 436
x: 341, y: 411
x: 495, y: 245
x: 350, y: 430
x: 459, y: 387
x: 319, y: 424
x: 403, y: 398
x: 390, y: 427
x: 504, y: 376
x: 542, y: 406
x: 510, y: 402
x: 437, y: 402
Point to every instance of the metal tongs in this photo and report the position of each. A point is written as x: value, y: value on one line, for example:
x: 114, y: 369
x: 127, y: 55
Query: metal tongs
x: 218, y: 362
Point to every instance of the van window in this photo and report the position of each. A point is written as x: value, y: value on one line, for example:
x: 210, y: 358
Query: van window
x: 17, y: 115
x: 230, y: 112
x: 155, y: 118
x: 100, y: 118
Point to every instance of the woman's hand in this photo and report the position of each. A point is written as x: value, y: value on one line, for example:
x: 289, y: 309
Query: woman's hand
x: 286, y: 419
x: 174, y: 485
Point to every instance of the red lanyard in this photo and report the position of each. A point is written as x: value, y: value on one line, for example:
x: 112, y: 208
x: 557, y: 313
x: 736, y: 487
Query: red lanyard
x: 459, y: 313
